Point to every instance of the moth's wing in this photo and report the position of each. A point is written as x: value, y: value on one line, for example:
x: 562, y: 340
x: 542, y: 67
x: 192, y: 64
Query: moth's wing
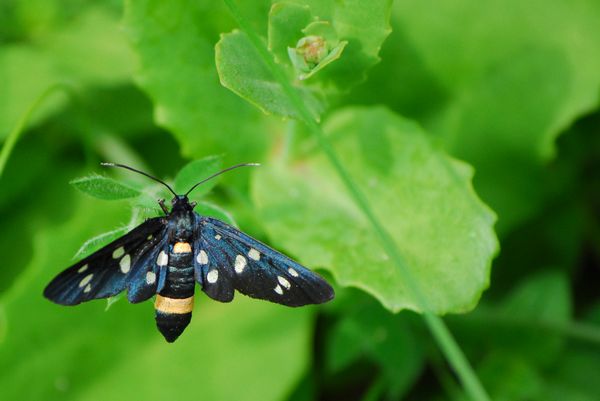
x: 226, y: 259
x: 127, y: 262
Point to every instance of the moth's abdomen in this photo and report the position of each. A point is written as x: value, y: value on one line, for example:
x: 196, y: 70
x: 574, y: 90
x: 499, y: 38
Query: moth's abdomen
x: 174, y: 303
x: 173, y: 315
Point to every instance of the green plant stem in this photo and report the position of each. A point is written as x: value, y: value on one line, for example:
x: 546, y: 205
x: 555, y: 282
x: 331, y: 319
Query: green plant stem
x: 15, y: 134
x: 439, y: 330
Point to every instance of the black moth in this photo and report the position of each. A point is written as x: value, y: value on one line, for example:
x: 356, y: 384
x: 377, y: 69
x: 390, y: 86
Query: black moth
x: 165, y: 256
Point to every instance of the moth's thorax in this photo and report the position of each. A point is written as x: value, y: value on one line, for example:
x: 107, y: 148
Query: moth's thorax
x: 181, y: 226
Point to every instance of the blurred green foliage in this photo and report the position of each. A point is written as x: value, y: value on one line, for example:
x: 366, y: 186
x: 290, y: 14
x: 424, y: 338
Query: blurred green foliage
x: 468, y: 124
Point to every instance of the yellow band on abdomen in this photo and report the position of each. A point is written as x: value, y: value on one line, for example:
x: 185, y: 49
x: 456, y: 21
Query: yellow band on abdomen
x: 174, y: 305
x: 182, y: 247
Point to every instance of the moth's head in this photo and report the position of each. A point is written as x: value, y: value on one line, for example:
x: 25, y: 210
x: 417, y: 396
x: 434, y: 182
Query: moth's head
x: 182, y: 203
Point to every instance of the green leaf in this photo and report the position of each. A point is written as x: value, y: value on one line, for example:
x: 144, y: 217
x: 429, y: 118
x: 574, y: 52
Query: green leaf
x: 506, y: 94
x: 175, y: 43
x: 104, y: 188
x: 531, y: 321
x: 286, y: 22
x: 511, y: 377
x: 77, y: 52
x: 368, y: 330
x: 242, y: 70
x: 364, y: 26
x: 320, y: 33
x: 443, y: 231
x: 574, y: 376
x: 261, y: 347
x: 194, y: 172
x: 530, y: 301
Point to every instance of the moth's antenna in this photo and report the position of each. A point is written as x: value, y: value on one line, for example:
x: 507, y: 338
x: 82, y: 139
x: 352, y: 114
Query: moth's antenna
x: 139, y: 172
x: 221, y: 172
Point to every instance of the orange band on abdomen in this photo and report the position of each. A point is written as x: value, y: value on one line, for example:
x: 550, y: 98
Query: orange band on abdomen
x: 174, y: 305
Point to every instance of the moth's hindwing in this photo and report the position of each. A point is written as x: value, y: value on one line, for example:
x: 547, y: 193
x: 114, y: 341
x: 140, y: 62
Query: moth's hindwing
x: 128, y: 262
x: 226, y: 259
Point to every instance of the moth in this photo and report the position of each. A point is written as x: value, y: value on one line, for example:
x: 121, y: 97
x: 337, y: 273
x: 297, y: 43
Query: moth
x: 167, y: 255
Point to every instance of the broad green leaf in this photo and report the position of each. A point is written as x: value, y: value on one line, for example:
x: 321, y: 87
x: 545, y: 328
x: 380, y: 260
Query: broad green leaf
x: 507, y: 93
x: 17, y: 64
x: 46, y: 200
x: 423, y: 197
x: 104, y: 188
x: 242, y: 70
x: 175, y: 43
x: 194, y: 172
x: 96, y: 355
x: 76, y: 53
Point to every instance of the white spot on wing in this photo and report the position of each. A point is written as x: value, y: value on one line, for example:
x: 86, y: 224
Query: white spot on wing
x: 212, y: 276
x: 278, y: 290
x: 286, y: 284
x: 240, y: 264
x: 162, y: 259
x: 150, y: 277
x: 82, y: 268
x: 87, y: 288
x: 85, y: 281
x: 218, y: 237
x: 254, y: 254
x: 117, y: 253
x: 202, y: 257
x: 293, y: 272
x: 125, y: 263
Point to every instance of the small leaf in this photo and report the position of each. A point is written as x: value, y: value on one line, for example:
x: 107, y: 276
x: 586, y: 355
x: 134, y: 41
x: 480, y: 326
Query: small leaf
x: 423, y: 198
x: 110, y: 301
x: 286, y: 21
x: 319, y: 48
x: 175, y: 44
x: 104, y: 188
x: 356, y: 27
x: 196, y: 171
x: 242, y: 70
x: 333, y: 55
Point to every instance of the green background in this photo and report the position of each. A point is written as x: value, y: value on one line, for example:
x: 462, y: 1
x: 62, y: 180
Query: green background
x: 472, y: 128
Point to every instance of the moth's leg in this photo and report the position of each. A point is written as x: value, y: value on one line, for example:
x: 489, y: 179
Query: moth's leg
x: 193, y: 204
x: 161, y: 202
